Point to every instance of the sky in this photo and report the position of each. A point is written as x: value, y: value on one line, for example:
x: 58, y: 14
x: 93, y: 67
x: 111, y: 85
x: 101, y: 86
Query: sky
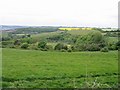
x: 81, y: 13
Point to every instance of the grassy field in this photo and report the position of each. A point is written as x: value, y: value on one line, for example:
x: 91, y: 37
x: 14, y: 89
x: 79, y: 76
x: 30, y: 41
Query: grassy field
x: 37, y: 69
x: 46, y: 34
x: 82, y: 32
x: 72, y: 32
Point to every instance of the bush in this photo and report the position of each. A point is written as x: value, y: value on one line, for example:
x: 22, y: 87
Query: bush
x: 63, y: 50
x: 17, y: 42
x: 93, y: 41
x: 42, y: 45
x: 69, y: 50
x: 60, y: 46
x: 33, y: 46
x: 112, y: 46
x: 6, y: 44
x: 105, y: 49
x: 118, y: 45
x: 92, y: 47
x: 43, y: 49
x: 24, y: 46
x: 49, y: 47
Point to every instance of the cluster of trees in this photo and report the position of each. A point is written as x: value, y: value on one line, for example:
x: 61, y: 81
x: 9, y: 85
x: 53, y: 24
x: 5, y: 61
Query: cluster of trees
x: 63, y: 37
x: 34, y: 30
x: 93, y: 41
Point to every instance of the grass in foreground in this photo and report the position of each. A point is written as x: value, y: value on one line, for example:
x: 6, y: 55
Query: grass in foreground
x: 37, y: 69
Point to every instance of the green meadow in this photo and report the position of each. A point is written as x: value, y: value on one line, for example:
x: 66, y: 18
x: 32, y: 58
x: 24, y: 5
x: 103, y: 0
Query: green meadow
x: 52, y: 69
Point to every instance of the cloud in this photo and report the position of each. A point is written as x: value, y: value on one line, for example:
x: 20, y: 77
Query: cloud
x: 99, y: 13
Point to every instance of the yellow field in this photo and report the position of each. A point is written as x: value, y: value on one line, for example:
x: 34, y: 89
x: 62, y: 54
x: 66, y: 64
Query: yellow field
x: 75, y: 28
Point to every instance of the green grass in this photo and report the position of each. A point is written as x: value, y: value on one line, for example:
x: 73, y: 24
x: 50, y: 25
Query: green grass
x: 81, y: 32
x: 46, y: 34
x: 72, y: 32
x: 37, y: 69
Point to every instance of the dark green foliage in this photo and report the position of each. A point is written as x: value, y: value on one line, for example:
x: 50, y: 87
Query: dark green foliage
x: 60, y: 46
x: 63, y: 37
x: 91, y: 42
x: 34, y: 30
x: 24, y: 46
x: 28, y: 35
x: 42, y: 45
x: 49, y: 47
x: 17, y: 42
x: 112, y: 46
x: 56, y: 38
x: 118, y: 45
x: 33, y: 47
x: 5, y: 38
x: 69, y: 50
x: 92, y: 47
x: 27, y: 40
x: 9, y: 44
x: 112, y: 34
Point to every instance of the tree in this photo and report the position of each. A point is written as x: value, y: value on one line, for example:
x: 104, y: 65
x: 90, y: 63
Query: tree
x: 91, y: 42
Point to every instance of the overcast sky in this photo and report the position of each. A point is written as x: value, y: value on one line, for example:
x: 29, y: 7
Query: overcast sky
x: 87, y: 13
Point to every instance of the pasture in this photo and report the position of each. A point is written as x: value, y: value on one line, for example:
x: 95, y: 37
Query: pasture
x: 40, y: 69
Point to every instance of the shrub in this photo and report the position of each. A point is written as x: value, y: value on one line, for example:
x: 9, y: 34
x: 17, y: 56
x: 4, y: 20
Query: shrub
x: 60, y: 46
x: 105, y: 49
x: 49, y: 47
x: 118, y: 45
x: 63, y: 50
x: 92, y: 47
x: 5, y: 38
x: 8, y: 44
x: 65, y: 47
x: 93, y: 41
x: 43, y: 49
x: 33, y: 46
x: 17, y: 42
x: 24, y: 46
x: 69, y: 50
x: 42, y: 45
x: 112, y: 46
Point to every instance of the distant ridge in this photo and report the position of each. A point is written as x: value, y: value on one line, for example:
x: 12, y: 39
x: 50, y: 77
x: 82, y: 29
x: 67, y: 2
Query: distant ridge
x: 11, y: 27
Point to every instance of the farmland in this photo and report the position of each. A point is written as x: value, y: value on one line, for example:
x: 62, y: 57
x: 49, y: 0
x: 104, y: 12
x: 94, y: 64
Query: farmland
x: 47, y: 57
x: 75, y: 29
x: 40, y: 69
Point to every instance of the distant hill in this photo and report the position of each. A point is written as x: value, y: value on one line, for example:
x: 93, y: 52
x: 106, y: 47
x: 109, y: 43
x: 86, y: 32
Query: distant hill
x: 8, y: 27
